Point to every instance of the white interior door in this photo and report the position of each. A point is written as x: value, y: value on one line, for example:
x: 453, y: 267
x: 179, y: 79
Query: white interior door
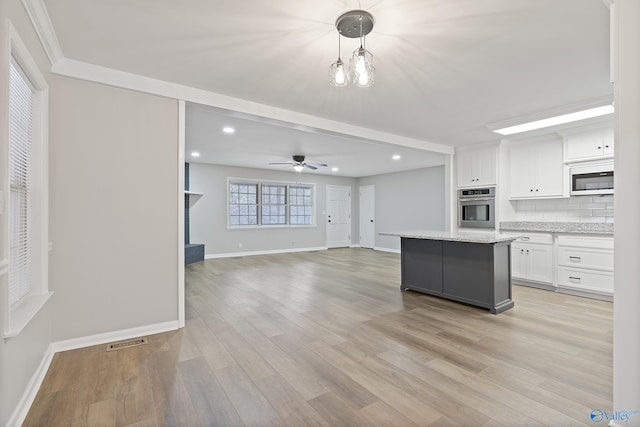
x: 338, y: 216
x: 367, y: 216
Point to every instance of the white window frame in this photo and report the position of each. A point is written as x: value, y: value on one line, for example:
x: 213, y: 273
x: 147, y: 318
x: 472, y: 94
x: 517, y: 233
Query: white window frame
x: 19, y: 314
x: 259, y: 183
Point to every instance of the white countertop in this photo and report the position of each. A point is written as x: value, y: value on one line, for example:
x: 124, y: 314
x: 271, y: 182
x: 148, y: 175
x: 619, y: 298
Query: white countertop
x: 454, y: 236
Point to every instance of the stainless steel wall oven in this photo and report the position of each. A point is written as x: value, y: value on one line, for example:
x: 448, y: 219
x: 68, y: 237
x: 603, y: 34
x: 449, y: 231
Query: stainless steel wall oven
x: 477, y: 207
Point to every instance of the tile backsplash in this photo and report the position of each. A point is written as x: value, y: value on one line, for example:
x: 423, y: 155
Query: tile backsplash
x: 573, y: 209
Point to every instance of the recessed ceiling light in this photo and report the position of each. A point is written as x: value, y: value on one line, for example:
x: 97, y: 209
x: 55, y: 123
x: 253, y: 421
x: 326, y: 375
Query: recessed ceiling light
x: 195, y: 154
x: 228, y: 129
x: 396, y: 157
x: 334, y: 169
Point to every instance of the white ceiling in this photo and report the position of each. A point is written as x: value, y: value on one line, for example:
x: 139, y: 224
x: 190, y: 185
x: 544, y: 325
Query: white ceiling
x: 444, y: 68
x: 256, y: 143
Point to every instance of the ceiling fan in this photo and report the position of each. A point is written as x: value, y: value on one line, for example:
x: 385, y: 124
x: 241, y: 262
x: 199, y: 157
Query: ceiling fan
x: 299, y: 163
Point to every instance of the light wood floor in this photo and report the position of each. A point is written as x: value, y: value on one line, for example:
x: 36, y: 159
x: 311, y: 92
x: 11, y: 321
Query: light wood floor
x: 328, y: 339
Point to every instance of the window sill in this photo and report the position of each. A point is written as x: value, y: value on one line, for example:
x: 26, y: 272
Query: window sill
x: 22, y: 313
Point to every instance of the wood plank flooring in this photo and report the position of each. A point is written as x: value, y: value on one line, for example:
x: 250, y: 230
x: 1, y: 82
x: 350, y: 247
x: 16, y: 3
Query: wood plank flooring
x: 328, y: 339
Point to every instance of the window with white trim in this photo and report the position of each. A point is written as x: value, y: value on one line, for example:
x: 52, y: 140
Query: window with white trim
x: 270, y: 204
x: 243, y: 204
x: 25, y: 212
x: 300, y: 205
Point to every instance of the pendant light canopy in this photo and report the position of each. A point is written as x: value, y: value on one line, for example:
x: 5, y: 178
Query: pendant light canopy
x: 354, y: 24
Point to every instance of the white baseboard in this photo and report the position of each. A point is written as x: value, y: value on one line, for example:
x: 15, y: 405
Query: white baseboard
x: 378, y: 248
x: 30, y: 392
x: 269, y: 252
x: 593, y: 294
x: 358, y: 245
x: 108, y: 337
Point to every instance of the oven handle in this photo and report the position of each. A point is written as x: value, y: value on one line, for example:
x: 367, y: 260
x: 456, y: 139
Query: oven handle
x: 477, y: 199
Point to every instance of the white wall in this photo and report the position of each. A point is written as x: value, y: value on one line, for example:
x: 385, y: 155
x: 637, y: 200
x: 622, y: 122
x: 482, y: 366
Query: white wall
x: 208, y: 216
x: 20, y: 356
x: 408, y: 201
x: 114, y: 210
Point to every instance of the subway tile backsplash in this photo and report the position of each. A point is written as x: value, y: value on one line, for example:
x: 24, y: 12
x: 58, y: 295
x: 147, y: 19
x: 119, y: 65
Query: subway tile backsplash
x: 573, y: 209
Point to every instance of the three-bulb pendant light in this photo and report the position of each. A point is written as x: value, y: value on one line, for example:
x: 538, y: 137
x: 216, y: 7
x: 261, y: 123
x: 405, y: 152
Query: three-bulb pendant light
x: 354, y: 24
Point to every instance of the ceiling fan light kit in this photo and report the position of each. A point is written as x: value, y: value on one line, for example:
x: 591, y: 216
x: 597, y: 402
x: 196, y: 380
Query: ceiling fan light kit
x: 354, y: 24
x: 299, y: 164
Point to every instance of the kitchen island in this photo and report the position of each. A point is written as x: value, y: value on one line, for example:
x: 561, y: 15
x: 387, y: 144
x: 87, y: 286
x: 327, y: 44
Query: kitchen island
x: 469, y: 267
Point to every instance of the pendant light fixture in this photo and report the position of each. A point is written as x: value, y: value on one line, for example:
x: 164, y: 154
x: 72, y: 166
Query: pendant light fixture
x: 338, y: 74
x: 354, y: 24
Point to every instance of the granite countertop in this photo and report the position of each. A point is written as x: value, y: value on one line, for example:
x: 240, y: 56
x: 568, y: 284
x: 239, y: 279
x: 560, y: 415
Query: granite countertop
x: 559, y: 227
x: 454, y: 236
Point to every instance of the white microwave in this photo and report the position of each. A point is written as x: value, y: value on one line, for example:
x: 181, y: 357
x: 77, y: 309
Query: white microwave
x: 591, y: 179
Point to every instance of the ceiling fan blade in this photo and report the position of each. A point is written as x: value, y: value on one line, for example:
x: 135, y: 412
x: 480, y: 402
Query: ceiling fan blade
x: 317, y: 165
x: 310, y: 166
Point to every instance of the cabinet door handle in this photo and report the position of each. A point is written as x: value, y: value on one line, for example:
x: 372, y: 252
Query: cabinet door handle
x: 606, y: 146
x: 521, y: 251
x: 577, y: 279
x: 575, y: 258
x: 537, y: 190
x: 527, y: 251
x: 599, y: 148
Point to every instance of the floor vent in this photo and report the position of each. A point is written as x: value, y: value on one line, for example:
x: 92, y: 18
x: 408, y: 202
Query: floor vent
x: 126, y: 344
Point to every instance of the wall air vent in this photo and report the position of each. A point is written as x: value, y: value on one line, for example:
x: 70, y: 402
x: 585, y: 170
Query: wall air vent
x: 126, y: 344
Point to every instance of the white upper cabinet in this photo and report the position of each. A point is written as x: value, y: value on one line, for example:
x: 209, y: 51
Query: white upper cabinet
x: 476, y: 166
x: 536, y: 169
x: 589, y: 144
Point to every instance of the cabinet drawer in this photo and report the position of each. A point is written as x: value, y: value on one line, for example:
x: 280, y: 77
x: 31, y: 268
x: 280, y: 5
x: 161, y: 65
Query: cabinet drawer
x: 585, y: 258
x: 604, y: 242
x: 539, y: 238
x: 584, y: 279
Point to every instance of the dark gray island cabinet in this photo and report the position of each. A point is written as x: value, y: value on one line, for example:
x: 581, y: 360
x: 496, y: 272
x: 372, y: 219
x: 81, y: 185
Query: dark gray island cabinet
x: 473, y: 268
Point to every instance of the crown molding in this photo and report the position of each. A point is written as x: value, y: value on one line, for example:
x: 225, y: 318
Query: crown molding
x: 41, y: 22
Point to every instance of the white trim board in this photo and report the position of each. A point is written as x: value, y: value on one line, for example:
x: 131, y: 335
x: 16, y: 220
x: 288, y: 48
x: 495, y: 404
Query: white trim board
x: 41, y: 22
x: 108, y: 337
x: 378, y: 248
x: 269, y: 252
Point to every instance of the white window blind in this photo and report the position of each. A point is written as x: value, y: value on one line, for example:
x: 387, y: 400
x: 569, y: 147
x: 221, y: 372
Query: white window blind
x: 21, y: 100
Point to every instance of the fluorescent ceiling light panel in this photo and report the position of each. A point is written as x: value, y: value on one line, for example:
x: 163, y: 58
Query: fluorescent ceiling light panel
x: 396, y: 157
x: 228, y: 129
x: 195, y: 154
x: 558, y: 120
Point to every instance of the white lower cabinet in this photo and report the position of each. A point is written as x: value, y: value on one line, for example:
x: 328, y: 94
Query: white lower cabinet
x: 532, y: 258
x: 585, y: 265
